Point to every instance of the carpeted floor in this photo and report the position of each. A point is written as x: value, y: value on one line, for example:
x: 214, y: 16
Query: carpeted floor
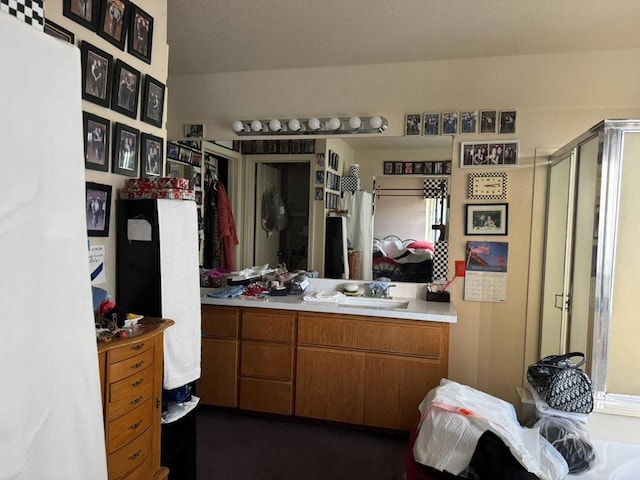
x: 234, y: 446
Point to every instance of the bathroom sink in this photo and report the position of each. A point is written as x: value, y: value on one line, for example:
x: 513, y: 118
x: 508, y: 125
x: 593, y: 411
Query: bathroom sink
x: 375, y: 303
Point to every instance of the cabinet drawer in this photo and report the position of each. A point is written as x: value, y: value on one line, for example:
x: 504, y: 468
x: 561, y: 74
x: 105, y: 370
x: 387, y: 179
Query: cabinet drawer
x: 129, y: 393
x: 220, y: 322
x: 428, y: 339
x: 124, y: 429
x: 143, y: 472
x: 262, y: 395
x: 129, y: 366
x: 121, y: 353
x: 275, y: 327
x: 129, y: 457
x: 267, y: 360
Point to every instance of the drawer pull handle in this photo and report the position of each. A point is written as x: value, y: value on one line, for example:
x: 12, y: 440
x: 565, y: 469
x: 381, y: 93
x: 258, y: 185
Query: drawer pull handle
x: 135, y: 401
x: 135, y: 425
x: 136, y: 366
x: 135, y: 455
x: 138, y: 346
x: 138, y: 383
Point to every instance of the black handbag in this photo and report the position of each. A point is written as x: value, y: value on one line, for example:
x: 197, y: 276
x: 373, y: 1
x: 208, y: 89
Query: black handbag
x: 562, y: 383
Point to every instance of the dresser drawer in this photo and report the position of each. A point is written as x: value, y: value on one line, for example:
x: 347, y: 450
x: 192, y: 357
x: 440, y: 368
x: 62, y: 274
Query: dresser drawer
x: 262, y: 395
x: 220, y: 322
x: 143, y: 472
x: 267, y: 360
x: 131, y: 456
x: 129, y: 366
x: 127, y: 394
x: 124, y: 429
x: 119, y: 354
x: 275, y: 327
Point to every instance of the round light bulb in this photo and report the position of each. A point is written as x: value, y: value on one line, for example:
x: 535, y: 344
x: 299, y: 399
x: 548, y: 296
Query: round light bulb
x: 314, y: 124
x: 355, y: 123
x: 375, y: 122
x: 237, y: 126
x: 256, y: 126
x: 275, y: 125
x: 334, y: 123
x: 294, y: 124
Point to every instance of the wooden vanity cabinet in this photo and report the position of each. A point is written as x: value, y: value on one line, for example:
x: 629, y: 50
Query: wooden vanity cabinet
x: 218, y: 384
x: 267, y: 360
x: 367, y: 370
x: 131, y: 381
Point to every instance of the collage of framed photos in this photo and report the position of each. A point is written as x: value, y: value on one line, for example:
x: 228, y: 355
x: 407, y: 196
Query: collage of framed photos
x: 463, y: 122
x: 266, y: 147
x: 417, y: 168
x: 113, y: 84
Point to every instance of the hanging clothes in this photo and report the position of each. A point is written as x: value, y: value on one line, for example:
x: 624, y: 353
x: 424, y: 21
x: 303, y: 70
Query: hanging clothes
x: 360, y: 228
x: 226, y: 230
x: 211, y: 247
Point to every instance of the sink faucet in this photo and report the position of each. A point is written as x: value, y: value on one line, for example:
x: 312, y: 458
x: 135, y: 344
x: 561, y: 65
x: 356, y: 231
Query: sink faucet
x: 380, y: 289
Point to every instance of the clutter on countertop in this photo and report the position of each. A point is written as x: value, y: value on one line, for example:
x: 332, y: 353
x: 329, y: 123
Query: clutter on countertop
x: 112, y: 320
x: 324, y: 297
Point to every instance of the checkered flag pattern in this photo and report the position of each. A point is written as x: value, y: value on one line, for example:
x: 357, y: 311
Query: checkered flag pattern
x: 440, y: 259
x: 435, y: 188
x: 29, y: 11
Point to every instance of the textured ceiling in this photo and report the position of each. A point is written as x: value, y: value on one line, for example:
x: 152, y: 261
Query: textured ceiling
x: 213, y: 36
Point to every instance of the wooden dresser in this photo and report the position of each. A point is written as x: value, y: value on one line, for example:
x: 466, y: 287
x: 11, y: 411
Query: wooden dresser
x: 131, y: 380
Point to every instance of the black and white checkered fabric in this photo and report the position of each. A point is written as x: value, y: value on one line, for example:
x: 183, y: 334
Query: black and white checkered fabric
x: 29, y: 11
x: 440, y: 260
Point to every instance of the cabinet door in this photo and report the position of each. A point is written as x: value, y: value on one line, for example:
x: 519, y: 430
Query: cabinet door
x: 330, y: 384
x: 394, y: 388
x: 218, y: 384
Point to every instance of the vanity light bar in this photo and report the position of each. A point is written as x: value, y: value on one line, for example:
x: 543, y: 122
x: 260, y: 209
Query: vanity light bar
x: 311, y: 126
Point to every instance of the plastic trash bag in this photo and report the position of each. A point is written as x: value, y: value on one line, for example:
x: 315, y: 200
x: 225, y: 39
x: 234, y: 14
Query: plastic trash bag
x: 571, y: 439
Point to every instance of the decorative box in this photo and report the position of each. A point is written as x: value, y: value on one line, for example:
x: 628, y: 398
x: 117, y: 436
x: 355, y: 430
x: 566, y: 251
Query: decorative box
x: 153, y: 193
x: 157, y: 182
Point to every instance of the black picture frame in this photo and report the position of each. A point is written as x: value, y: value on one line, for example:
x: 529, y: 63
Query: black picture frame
x: 97, y: 66
x: 61, y: 33
x: 486, y: 219
x: 126, y: 89
x: 387, y: 168
x: 83, y: 12
x: 140, y: 36
x: 114, y: 21
x: 488, y: 121
x: 98, y: 208
x: 97, y: 132
x: 431, y: 124
x: 125, y: 149
x: 507, y: 122
x: 413, y: 124
x: 173, y: 151
x: 151, y: 155
x: 152, y: 110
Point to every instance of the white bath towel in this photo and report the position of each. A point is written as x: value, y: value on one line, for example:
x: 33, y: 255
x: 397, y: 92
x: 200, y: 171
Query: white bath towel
x: 324, y: 297
x: 180, y: 290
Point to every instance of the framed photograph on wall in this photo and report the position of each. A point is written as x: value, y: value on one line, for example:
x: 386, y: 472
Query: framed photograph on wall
x: 449, y: 123
x: 194, y: 130
x: 468, y: 121
x: 114, y: 21
x: 486, y: 219
x: 151, y: 148
x: 125, y: 150
x: 489, y: 154
x: 488, y: 121
x: 431, y: 124
x: 57, y: 31
x: 413, y: 124
x: 387, y: 168
x: 126, y: 88
x: 152, y: 109
x: 173, y: 151
x: 507, y: 121
x: 140, y: 34
x: 98, y: 207
x: 97, y: 132
x: 83, y: 12
x: 96, y: 74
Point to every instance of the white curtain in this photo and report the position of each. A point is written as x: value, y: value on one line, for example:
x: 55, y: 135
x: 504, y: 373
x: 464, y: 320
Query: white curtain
x: 50, y: 407
x: 360, y: 228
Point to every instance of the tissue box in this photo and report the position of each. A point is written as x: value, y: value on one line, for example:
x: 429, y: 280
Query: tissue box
x: 158, y: 182
x: 155, y: 193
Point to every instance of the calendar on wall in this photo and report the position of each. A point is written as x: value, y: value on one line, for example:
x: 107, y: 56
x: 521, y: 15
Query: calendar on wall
x: 486, y: 272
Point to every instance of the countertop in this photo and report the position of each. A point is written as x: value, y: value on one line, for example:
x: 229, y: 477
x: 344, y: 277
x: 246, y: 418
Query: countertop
x: 416, y: 309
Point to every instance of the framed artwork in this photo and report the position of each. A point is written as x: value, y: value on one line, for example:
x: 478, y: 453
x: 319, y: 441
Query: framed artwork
x: 507, y: 121
x: 431, y: 124
x: 408, y: 168
x: 320, y: 177
x: 126, y: 87
x: 185, y: 155
x: 97, y: 131
x: 140, y: 34
x: 57, y: 31
x: 485, y: 186
x: 96, y: 74
x: 173, y: 151
x: 488, y: 121
x: 151, y: 148
x: 449, y: 123
x: 489, y: 154
x: 98, y: 207
x: 387, y: 168
x: 194, y: 130
x: 84, y: 12
x: 413, y: 125
x: 125, y: 150
x: 397, y: 168
x: 114, y: 20
x: 196, y: 159
x: 319, y: 194
x: 487, y: 219
x: 418, y: 168
x: 468, y: 121
x: 152, y: 101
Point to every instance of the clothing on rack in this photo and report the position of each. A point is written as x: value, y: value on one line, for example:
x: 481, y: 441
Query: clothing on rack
x: 211, y: 247
x: 226, y: 230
